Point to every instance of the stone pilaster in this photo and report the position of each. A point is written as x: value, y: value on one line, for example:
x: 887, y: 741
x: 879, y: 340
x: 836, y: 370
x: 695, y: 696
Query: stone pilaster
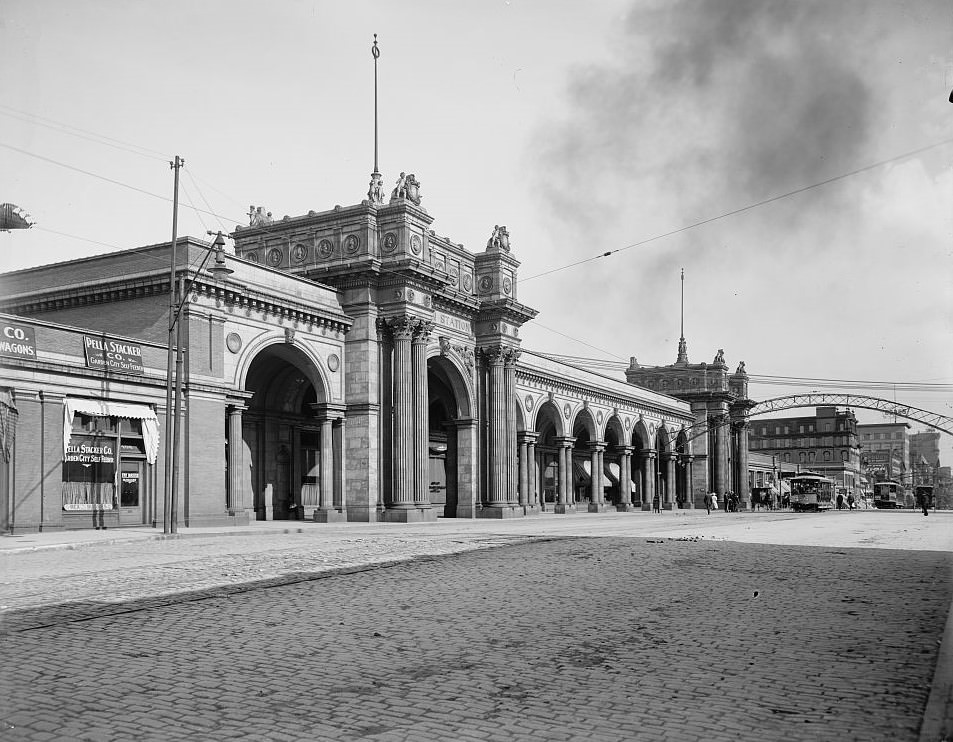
x: 535, y: 501
x: 236, y: 456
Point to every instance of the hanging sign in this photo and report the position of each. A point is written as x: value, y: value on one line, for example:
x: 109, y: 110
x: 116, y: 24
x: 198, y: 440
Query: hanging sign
x: 112, y: 355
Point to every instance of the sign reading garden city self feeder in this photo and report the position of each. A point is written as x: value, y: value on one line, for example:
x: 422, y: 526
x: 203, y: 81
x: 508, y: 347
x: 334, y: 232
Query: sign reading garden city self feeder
x: 112, y: 355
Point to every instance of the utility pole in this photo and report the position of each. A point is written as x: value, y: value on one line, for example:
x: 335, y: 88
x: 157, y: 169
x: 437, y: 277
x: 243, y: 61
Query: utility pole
x: 171, y: 423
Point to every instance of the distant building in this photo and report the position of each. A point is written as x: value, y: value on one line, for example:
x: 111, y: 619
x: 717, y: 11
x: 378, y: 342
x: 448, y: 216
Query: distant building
x: 885, y: 451
x: 719, y: 403
x: 825, y: 443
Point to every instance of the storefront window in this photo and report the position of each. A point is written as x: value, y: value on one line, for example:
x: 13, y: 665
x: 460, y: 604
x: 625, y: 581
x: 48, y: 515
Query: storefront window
x: 89, y: 473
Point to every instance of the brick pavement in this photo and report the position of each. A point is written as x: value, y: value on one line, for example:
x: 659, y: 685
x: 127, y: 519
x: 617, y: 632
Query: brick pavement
x: 568, y: 638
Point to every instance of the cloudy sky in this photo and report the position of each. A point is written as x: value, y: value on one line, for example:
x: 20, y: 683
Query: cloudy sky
x: 794, y: 157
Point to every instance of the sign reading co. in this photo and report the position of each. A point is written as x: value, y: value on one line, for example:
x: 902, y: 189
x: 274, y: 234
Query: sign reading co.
x: 17, y: 340
x: 113, y: 355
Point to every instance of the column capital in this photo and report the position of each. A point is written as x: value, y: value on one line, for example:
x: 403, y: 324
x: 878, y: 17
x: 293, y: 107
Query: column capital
x: 327, y: 410
x: 565, y: 441
x: 527, y: 436
x: 648, y: 453
x: 597, y: 445
x: 625, y: 449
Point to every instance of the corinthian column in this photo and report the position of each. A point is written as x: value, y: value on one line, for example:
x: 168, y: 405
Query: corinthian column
x: 509, y: 403
x: 421, y: 417
x: 403, y: 491
x: 648, y: 489
x: 498, y: 469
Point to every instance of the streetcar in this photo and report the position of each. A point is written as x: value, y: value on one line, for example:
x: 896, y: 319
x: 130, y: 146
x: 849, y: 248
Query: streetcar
x: 888, y: 495
x: 923, y: 496
x: 811, y: 492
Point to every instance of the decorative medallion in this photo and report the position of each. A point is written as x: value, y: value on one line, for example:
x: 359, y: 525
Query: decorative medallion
x: 251, y: 257
x: 233, y: 341
x: 325, y: 248
x: 529, y: 402
x: 351, y: 243
x: 628, y: 423
x: 466, y: 281
x: 334, y: 363
x: 299, y: 252
x: 274, y: 256
x: 507, y: 285
x: 566, y: 410
x: 390, y: 242
x: 411, y: 295
x: 453, y: 278
x: 486, y: 283
x: 599, y: 417
x: 398, y: 294
x: 415, y: 244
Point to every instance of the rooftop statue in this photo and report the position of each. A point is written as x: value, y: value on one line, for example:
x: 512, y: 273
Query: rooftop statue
x: 257, y: 216
x: 741, y: 368
x: 375, y: 194
x: 499, y: 239
x: 720, y: 357
x: 407, y: 187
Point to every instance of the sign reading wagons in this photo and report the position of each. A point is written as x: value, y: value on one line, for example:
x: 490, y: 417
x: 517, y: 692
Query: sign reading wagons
x: 17, y: 341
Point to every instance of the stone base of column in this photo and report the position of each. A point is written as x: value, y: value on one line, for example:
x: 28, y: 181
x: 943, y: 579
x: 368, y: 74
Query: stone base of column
x: 465, y: 511
x: 501, y: 511
x: 646, y: 506
x: 561, y: 508
x: 362, y: 514
x: 626, y: 507
x: 599, y: 507
x: 667, y: 506
x: 331, y: 515
x: 240, y: 517
x: 409, y: 515
x: 532, y: 509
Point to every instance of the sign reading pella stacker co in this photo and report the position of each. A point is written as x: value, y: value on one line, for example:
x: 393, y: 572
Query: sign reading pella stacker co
x: 16, y: 340
x: 112, y: 355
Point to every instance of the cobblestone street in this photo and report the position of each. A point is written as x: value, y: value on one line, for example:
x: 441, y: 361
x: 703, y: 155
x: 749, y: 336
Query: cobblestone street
x: 549, y: 638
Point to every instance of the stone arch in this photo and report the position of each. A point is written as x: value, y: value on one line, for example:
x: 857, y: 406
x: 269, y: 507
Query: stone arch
x: 300, y: 355
x: 282, y: 446
x: 451, y: 436
x: 550, y: 429
x: 586, y: 434
x: 616, y: 442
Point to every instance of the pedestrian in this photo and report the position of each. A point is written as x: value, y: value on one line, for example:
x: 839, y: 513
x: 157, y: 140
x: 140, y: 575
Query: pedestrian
x: 925, y: 503
x: 714, y: 500
x: 655, y: 504
x: 840, y: 501
x: 708, y: 502
x: 850, y: 502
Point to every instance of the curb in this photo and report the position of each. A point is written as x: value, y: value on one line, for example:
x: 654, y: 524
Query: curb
x: 937, y: 724
x: 147, y: 537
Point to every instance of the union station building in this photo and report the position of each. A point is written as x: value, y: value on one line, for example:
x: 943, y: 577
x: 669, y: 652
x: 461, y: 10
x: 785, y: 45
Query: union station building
x: 342, y: 365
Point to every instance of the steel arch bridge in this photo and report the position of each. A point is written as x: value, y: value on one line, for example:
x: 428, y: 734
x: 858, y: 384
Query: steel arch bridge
x: 943, y: 423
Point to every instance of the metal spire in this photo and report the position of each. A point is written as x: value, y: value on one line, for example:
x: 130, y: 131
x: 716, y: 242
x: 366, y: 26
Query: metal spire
x: 682, y: 345
x: 375, y: 193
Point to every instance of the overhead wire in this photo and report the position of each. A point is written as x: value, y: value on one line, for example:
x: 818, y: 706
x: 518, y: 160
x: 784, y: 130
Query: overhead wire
x: 742, y: 209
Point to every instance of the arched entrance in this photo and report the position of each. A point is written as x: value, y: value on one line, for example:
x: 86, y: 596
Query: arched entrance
x: 451, y: 440
x: 643, y: 466
x: 665, y: 468
x: 548, y: 457
x: 586, y: 479
x: 291, y: 464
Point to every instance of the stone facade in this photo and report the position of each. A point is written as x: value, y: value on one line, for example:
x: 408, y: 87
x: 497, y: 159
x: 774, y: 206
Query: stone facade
x: 354, y: 365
